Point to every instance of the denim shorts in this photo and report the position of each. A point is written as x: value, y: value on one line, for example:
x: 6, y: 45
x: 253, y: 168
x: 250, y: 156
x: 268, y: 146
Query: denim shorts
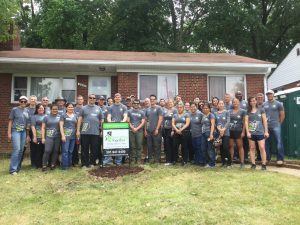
x: 255, y: 137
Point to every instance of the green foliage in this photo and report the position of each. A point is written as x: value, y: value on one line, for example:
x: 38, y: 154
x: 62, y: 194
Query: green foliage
x: 8, y: 10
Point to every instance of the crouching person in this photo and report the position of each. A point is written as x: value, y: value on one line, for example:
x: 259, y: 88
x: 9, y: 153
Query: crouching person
x: 136, y: 120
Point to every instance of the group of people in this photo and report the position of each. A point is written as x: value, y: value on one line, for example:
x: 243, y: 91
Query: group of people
x: 186, y: 131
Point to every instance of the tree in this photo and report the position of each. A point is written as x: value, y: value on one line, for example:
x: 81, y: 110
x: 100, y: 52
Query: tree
x: 8, y: 10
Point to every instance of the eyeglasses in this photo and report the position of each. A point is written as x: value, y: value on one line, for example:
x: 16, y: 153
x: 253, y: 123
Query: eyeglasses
x: 23, y: 101
x: 92, y: 98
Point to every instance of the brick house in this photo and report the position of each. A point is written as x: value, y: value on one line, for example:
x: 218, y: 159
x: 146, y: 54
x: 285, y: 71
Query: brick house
x: 53, y: 72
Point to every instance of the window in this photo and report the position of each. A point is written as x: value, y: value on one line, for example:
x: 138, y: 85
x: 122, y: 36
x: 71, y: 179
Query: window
x: 219, y: 85
x: 100, y: 86
x: 163, y: 86
x: 20, y: 87
x: 298, y: 51
x: 51, y: 87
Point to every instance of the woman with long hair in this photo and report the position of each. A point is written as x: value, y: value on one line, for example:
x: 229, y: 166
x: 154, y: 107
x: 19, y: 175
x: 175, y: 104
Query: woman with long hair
x: 257, y: 130
x: 51, y: 137
x: 237, y: 130
x: 222, y: 127
x: 37, y: 150
x: 68, y: 124
x: 180, y: 125
x: 208, y: 127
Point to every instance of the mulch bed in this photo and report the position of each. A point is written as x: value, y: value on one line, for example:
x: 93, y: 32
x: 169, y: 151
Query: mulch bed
x: 115, y: 171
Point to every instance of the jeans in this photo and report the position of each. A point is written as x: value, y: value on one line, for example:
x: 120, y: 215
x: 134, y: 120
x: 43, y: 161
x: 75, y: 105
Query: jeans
x: 75, y: 155
x: 276, y: 133
x: 153, y: 144
x: 52, y: 146
x: 67, y: 153
x: 136, y: 143
x: 208, y: 149
x: 199, y: 156
x: 18, y: 143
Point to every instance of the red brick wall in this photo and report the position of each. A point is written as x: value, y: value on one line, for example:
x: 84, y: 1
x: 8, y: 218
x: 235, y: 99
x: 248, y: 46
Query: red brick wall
x: 114, y: 85
x: 127, y: 83
x: 5, y: 87
x: 255, y: 84
x: 191, y: 86
x: 13, y: 44
x: 83, y: 86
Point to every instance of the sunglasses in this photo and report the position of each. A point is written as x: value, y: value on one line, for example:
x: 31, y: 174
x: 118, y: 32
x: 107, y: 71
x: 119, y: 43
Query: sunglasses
x: 92, y: 98
x: 136, y: 103
x: 23, y: 101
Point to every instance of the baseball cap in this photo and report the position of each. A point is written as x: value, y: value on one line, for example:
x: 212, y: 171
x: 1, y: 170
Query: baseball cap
x: 23, y: 97
x: 101, y: 97
x: 270, y: 92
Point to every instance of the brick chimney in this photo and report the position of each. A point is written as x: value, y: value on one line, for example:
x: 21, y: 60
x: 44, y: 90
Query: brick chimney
x: 13, y: 44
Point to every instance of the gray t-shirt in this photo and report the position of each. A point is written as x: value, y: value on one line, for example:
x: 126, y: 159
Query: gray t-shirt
x: 104, y: 109
x: 136, y: 116
x: 31, y: 112
x: 180, y: 121
x: 77, y: 110
x: 255, y: 123
x: 206, y: 122
x: 36, y: 121
x: 236, y: 120
x: 228, y: 106
x: 70, y: 123
x: 244, y: 105
x: 61, y: 111
x: 52, y: 126
x: 117, y: 112
x: 47, y: 110
x: 273, y: 110
x: 91, y: 119
x: 20, y: 119
x: 167, y: 117
x: 152, y: 115
x: 196, y: 126
x: 213, y: 109
x: 223, y: 121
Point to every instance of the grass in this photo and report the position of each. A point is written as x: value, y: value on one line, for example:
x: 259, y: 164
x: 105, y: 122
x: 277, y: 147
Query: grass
x: 158, y: 195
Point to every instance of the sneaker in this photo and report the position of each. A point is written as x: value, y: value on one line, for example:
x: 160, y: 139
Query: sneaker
x: 279, y: 163
x: 263, y: 167
x: 253, y: 166
x: 44, y: 168
x: 14, y: 173
x: 229, y: 167
x: 168, y: 164
x: 242, y: 165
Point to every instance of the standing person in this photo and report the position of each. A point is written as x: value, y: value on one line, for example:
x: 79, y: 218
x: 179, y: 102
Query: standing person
x: 260, y: 98
x: 89, y: 121
x: 45, y: 103
x: 222, y: 126
x: 177, y: 100
x: 18, y: 133
x: 227, y: 101
x: 51, y: 137
x: 214, y: 104
x: 162, y: 103
x: 208, y: 127
x: 187, y: 107
x: 197, y: 102
x: 109, y: 101
x: 237, y: 129
x: 180, y: 125
x: 77, y: 109
x: 152, y: 131
x: 38, y: 147
x: 243, y: 103
x: 68, y: 125
x: 257, y: 130
x: 275, y: 114
x: 168, y: 113
x: 196, y: 132
x: 128, y: 103
x: 31, y: 110
x: 145, y: 149
x: 136, y: 120
x: 117, y: 112
x: 104, y: 108
x: 60, y: 102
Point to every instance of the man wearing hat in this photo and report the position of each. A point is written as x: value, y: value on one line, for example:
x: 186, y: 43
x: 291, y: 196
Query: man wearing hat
x: 60, y: 102
x: 275, y: 116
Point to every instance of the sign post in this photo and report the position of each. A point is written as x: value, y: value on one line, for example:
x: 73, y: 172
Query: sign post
x: 115, y: 139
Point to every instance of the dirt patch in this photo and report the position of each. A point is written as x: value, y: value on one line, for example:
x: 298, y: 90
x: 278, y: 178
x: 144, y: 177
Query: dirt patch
x: 115, y: 171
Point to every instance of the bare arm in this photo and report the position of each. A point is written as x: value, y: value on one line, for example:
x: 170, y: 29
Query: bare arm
x: 265, y: 124
x: 188, y: 120
x: 9, y: 130
x: 43, y: 132
x: 281, y: 116
x: 78, y: 127
x: 62, y: 132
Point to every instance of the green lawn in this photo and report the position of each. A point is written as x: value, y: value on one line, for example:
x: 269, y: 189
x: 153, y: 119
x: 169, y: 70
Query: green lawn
x: 159, y: 195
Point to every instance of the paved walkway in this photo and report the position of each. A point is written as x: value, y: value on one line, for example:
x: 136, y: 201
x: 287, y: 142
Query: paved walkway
x: 289, y: 171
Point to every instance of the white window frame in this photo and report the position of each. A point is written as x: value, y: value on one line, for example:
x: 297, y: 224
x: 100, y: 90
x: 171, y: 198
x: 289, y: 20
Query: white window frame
x: 156, y: 74
x: 109, y: 84
x: 222, y: 75
x: 29, y: 76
